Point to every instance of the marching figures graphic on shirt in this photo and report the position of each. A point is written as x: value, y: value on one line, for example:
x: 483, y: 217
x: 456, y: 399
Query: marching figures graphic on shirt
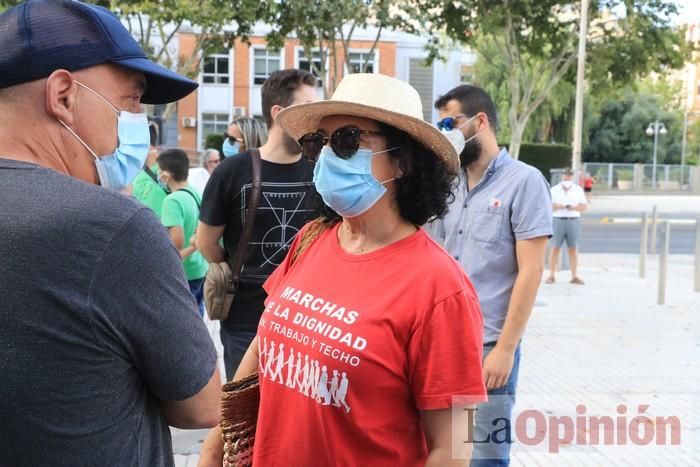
x: 342, y: 392
x: 310, y: 378
x: 322, y: 394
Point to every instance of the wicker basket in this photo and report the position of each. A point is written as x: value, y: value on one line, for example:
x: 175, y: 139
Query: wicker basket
x: 240, y: 401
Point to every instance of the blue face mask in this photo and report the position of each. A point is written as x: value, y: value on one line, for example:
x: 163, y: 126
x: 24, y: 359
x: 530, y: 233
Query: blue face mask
x: 347, y: 185
x: 118, y: 169
x: 230, y: 149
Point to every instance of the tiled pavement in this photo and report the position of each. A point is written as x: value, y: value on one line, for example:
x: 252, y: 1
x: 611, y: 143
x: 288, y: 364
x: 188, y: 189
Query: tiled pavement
x: 602, y: 345
x: 606, y: 344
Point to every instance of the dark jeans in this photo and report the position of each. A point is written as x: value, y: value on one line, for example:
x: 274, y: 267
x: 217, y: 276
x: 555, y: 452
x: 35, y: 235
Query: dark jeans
x: 235, y: 346
x: 489, y: 418
x: 197, y: 290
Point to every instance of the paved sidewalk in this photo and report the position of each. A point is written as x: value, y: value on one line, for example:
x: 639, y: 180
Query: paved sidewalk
x: 602, y: 345
x: 607, y: 343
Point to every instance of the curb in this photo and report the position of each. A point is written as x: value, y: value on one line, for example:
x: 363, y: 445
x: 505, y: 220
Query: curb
x: 631, y: 220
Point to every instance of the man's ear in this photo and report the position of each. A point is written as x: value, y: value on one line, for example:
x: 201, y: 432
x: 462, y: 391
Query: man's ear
x: 61, y: 92
x: 275, y: 110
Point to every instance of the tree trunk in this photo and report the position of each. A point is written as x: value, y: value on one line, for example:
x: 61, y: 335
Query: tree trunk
x: 516, y: 138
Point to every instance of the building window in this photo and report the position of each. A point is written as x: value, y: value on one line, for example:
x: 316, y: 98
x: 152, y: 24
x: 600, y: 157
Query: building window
x: 362, y: 62
x: 305, y: 64
x: 214, y: 124
x: 266, y: 62
x: 466, y: 74
x: 215, y: 69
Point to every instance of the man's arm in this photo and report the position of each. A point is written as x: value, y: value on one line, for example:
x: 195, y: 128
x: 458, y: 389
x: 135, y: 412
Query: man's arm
x: 177, y: 238
x: 555, y: 206
x: 202, y: 410
x: 438, y: 428
x: 156, y: 324
x: 499, y: 362
x: 208, y: 237
x: 212, y: 451
x: 582, y: 204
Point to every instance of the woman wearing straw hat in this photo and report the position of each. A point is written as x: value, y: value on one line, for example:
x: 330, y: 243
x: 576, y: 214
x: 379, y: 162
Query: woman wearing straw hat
x: 371, y: 333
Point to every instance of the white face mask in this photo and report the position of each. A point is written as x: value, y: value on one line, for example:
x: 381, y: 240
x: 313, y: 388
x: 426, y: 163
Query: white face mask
x: 456, y: 137
x: 567, y: 183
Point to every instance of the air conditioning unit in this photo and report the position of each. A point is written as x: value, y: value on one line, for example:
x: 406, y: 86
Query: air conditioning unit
x: 189, y: 122
x: 239, y: 111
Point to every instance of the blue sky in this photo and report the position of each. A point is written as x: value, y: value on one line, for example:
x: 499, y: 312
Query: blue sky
x: 689, y: 11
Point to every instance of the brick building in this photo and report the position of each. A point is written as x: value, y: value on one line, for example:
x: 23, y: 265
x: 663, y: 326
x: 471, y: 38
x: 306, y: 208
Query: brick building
x: 230, y: 81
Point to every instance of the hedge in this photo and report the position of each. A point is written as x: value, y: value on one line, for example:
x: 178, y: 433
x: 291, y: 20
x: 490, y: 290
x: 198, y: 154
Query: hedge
x: 214, y: 141
x: 545, y: 156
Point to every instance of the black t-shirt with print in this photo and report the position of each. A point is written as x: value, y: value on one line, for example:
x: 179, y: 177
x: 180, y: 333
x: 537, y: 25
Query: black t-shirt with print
x: 286, y: 204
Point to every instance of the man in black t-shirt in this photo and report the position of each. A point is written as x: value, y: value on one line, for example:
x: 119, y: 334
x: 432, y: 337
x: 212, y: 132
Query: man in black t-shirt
x: 285, y: 206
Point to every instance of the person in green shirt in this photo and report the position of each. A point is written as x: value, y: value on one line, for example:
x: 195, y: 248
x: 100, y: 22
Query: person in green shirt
x: 145, y: 186
x: 180, y: 213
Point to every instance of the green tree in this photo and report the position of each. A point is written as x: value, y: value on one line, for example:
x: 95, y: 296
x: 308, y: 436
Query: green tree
x: 538, y: 39
x: 217, y: 23
x: 693, y: 145
x: 547, y: 121
x: 618, y: 133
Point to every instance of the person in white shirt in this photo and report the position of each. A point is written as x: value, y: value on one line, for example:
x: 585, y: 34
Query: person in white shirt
x: 199, y: 176
x: 568, y: 202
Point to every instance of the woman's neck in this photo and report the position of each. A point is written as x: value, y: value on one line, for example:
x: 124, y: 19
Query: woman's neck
x: 381, y: 226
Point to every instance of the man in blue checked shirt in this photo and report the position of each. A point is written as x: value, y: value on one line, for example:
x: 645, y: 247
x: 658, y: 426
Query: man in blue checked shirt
x: 497, y: 229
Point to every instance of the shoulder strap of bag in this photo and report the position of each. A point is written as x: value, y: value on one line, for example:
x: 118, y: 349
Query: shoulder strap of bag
x: 251, y: 209
x: 153, y: 176
x: 312, y: 232
x: 199, y: 206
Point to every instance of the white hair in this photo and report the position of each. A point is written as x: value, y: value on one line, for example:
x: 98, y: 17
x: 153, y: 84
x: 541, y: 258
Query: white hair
x: 204, y: 156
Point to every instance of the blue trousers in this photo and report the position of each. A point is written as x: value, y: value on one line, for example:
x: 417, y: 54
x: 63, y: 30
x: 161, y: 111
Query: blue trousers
x: 235, y: 346
x: 493, y: 416
x: 197, y: 290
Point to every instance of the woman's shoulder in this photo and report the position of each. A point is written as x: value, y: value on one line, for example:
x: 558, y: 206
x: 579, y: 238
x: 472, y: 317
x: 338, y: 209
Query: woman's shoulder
x: 438, y: 269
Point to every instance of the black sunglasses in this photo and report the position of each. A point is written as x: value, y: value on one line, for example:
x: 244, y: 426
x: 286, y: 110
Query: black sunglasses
x: 232, y: 139
x: 345, y: 141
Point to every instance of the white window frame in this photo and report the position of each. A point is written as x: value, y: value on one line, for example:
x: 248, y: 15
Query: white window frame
x: 299, y: 51
x: 217, y: 73
x: 202, y: 122
x: 252, y: 62
x: 471, y: 72
x: 366, y: 52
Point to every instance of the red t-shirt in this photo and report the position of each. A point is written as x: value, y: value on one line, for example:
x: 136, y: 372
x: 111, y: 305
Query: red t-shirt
x: 352, y: 346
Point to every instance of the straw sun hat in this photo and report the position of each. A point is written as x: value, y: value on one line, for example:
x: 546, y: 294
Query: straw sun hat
x: 377, y: 97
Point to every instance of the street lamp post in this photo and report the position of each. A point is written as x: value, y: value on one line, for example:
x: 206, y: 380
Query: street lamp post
x: 578, y: 111
x: 655, y: 129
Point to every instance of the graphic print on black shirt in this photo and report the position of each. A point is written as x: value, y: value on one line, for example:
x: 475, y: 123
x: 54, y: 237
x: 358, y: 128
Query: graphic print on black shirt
x: 283, y: 209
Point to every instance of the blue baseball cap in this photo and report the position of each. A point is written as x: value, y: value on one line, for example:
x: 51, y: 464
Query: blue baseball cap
x: 41, y: 36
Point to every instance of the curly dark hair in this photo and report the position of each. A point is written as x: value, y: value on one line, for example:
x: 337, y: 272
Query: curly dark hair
x: 425, y: 189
